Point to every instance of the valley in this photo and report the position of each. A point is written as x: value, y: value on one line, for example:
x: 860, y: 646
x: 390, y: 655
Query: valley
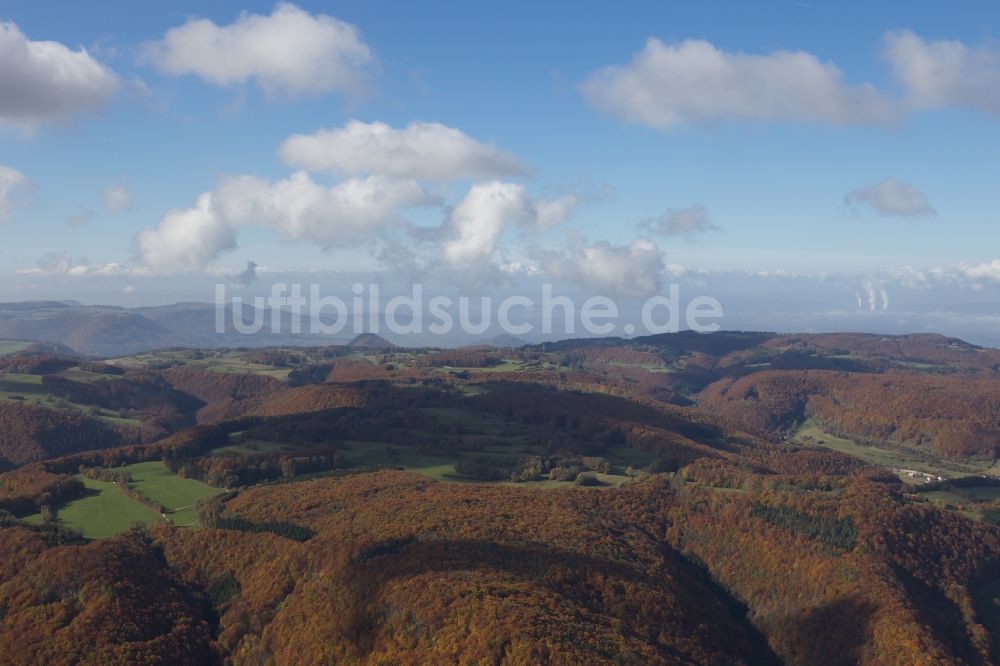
x: 533, y: 486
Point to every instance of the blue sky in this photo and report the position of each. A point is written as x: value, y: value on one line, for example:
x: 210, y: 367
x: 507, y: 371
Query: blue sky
x: 770, y: 161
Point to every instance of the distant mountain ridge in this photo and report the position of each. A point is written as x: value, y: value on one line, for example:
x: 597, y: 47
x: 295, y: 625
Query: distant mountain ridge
x: 370, y: 341
x: 105, y: 331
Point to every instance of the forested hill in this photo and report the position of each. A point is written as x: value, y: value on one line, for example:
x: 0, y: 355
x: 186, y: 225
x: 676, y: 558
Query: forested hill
x: 723, y: 499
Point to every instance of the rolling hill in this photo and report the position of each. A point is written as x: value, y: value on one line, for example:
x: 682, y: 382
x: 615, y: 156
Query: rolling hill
x: 731, y: 498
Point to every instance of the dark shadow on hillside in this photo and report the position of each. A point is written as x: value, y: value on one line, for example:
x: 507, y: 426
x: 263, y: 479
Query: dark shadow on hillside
x: 831, y: 635
x: 761, y: 652
x: 569, y: 404
x: 565, y: 573
x: 942, y: 615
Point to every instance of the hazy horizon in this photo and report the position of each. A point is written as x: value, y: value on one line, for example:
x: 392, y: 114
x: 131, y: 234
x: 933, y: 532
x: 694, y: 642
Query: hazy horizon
x: 800, y: 169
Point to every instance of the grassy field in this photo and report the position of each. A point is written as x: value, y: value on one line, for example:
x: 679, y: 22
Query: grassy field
x: 944, y: 498
x: 105, y: 510
x: 966, y: 501
x: 502, y: 441
x: 442, y: 468
x: 507, y: 365
x: 102, y: 512
x: 12, y: 346
x: 28, y: 389
x: 176, y: 494
x: 219, y: 361
x: 78, y: 375
x: 810, y: 433
x: 648, y: 367
x: 250, y: 447
x: 27, y: 386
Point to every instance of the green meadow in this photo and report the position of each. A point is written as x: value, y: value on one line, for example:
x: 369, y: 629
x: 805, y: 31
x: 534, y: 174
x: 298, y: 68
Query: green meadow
x: 176, y: 494
x: 104, y: 510
x: 12, y: 346
x: 811, y: 434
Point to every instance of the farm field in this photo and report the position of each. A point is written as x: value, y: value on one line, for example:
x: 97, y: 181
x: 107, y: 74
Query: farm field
x: 217, y: 361
x: 969, y: 501
x: 507, y: 365
x: 442, y: 468
x: 811, y: 434
x: 249, y: 447
x: 505, y: 441
x: 105, y: 510
x: 28, y: 387
x: 502, y: 441
x: 12, y: 346
x: 177, y: 494
x: 102, y: 512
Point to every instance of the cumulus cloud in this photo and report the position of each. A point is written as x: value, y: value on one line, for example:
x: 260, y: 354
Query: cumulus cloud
x: 117, y: 199
x: 945, y: 73
x: 186, y: 239
x: 989, y: 270
x: 476, y: 223
x: 963, y: 275
x: 64, y: 264
x: 289, y: 53
x: 632, y: 270
x: 680, y: 222
x: 479, y: 219
x: 345, y: 214
x: 43, y: 81
x: 891, y: 197
x: 12, y: 183
x: 301, y: 209
x: 552, y: 212
x: 419, y: 151
x: 55, y: 262
x: 693, y: 82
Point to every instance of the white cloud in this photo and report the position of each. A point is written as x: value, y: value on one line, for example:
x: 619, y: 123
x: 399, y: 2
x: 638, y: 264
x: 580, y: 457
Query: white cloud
x: 186, y: 239
x: 680, y: 222
x: 420, y: 151
x: 479, y: 219
x: 346, y: 214
x: 44, y: 81
x: 12, y: 182
x: 985, y: 271
x: 117, y: 199
x: 945, y: 73
x: 626, y: 270
x: 56, y: 262
x: 668, y: 85
x: 891, y: 197
x: 289, y: 53
x: 64, y: 264
x: 552, y: 212
x: 477, y: 222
